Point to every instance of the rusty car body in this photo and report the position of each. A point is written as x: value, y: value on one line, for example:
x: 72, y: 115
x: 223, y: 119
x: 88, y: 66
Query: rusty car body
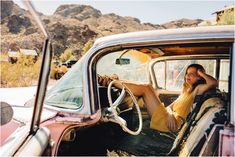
x: 77, y: 116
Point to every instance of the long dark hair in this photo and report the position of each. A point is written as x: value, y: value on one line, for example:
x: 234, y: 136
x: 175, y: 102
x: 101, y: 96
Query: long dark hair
x: 200, y: 81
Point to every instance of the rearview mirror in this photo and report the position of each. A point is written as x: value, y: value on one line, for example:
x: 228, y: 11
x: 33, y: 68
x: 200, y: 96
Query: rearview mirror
x: 122, y: 61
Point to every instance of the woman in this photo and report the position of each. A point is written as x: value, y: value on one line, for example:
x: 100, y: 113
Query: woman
x: 169, y: 119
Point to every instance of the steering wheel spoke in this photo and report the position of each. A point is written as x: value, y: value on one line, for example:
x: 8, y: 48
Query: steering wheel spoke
x: 121, y: 121
x: 120, y: 98
x: 123, y: 111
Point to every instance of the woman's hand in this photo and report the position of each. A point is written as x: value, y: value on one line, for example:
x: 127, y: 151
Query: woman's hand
x: 171, y: 123
x: 200, y: 72
x: 105, y: 80
x: 211, y: 82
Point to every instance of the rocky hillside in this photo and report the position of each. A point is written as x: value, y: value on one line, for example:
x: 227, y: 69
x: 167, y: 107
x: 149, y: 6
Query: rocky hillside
x: 182, y: 23
x: 71, y: 26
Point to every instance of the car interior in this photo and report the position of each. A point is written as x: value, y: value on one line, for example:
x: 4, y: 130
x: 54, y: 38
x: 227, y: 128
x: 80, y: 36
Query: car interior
x: 150, y: 64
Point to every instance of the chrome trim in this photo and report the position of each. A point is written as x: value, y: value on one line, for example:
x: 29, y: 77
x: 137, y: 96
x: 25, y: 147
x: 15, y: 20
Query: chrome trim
x: 42, y: 85
x: 44, y: 71
x: 168, y: 35
x: 232, y: 85
x: 94, y: 57
x: 58, y: 109
x: 86, y: 77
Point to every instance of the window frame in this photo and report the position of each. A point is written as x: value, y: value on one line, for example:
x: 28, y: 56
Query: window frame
x: 217, y: 58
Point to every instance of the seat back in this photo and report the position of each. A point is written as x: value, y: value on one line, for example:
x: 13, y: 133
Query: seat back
x: 212, y: 112
x: 198, y: 123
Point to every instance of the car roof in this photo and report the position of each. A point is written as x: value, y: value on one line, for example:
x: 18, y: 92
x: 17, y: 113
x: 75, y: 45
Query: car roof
x: 189, y: 34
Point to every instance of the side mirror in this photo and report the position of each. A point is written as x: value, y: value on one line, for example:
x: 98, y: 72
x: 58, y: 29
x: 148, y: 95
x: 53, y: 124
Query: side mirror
x: 6, y: 113
x: 122, y: 61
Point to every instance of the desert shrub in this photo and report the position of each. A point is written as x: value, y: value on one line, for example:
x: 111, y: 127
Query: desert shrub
x: 23, y: 73
x: 87, y: 46
x: 68, y: 54
x: 227, y: 18
x: 53, y: 71
x: 26, y: 60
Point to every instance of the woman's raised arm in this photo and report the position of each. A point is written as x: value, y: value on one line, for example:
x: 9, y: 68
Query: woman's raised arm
x: 211, y: 82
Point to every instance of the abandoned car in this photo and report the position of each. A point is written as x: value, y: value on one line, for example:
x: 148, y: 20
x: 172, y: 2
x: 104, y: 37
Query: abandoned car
x: 78, y: 116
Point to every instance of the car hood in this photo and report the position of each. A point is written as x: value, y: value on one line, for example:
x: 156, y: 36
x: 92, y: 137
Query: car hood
x: 22, y: 115
x: 17, y: 96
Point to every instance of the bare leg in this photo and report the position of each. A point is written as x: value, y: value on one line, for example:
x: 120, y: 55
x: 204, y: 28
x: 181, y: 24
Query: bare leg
x: 147, y: 92
x: 141, y: 90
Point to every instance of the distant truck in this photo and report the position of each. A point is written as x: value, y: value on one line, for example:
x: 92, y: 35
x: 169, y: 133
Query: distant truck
x: 69, y: 63
x: 60, y: 69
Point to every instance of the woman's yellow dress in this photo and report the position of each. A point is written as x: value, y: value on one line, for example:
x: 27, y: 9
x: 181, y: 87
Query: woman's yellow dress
x: 181, y: 108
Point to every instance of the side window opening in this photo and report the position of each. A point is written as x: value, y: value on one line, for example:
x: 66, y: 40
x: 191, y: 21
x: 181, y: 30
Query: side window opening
x: 159, y: 72
x: 223, y: 76
x: 170, y: 74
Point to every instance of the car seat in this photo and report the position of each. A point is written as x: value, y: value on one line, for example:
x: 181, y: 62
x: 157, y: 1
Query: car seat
x: 210, y: 111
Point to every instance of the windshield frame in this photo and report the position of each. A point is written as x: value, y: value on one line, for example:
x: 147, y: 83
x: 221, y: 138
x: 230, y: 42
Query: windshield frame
x: 44, y: 71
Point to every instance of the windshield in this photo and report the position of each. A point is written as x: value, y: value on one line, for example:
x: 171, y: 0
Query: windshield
x: 67, y: 93
x: 135, y: 70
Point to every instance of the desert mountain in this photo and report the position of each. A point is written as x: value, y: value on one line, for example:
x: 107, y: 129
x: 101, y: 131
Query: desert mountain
x: 71, y: 26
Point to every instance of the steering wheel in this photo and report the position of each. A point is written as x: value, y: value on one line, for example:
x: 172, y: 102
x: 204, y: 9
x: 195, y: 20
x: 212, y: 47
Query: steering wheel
x: 115, y: 111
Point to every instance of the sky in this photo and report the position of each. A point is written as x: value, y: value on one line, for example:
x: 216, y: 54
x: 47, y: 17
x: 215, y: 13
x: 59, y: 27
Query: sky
x: 152, y: 11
